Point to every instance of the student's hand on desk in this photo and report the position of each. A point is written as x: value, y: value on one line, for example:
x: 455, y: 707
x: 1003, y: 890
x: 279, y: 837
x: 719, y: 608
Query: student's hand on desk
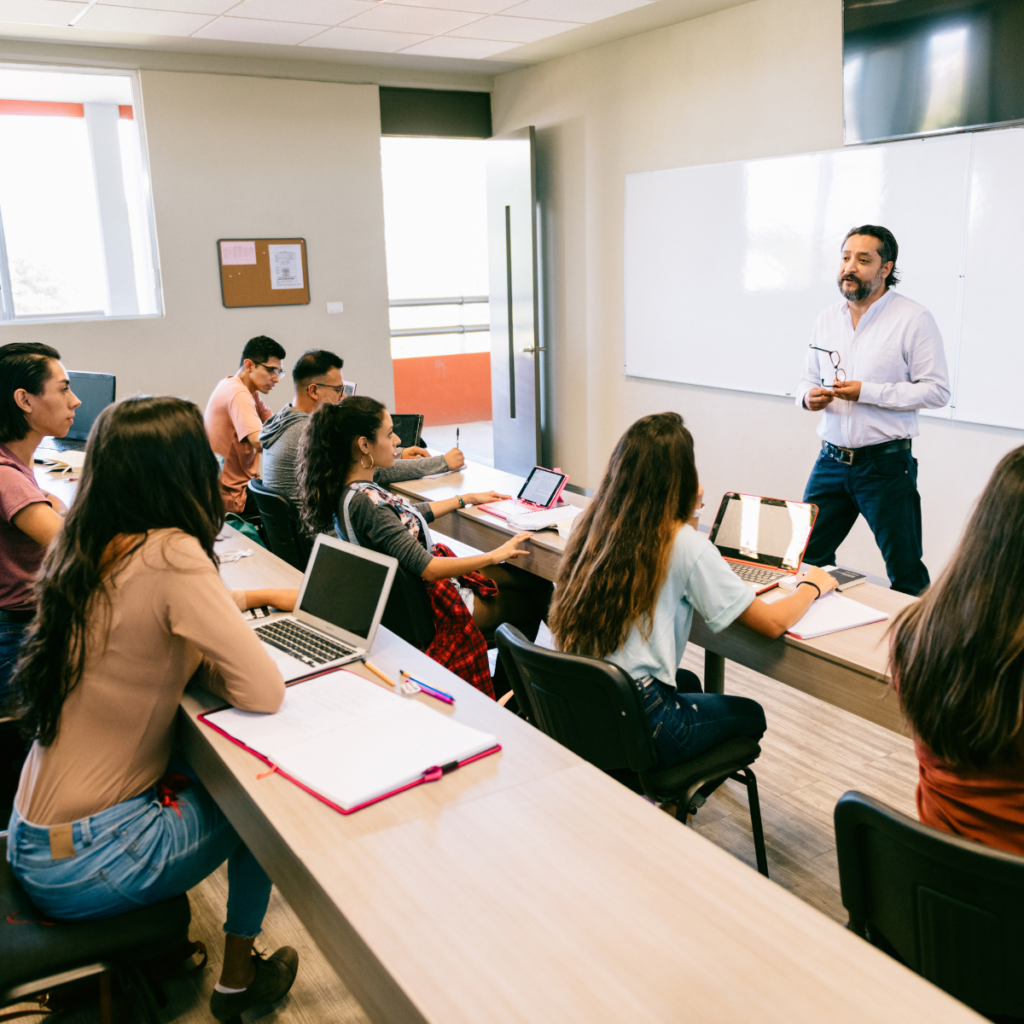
x: 773, y: 619
x: 821, y: 579
x: 455, y: 459
x: 412, y: 452
x: 848, y: 390
x: 484, y: 498
x: 818, y: 398
x: 511, y: 548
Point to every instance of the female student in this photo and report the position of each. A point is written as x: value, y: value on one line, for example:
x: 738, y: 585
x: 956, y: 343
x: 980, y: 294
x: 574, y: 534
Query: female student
x: 341, y: 447
x: 634, y: 570
x: 957, y: 660
x: 35, y: 401
x: 131, y: 607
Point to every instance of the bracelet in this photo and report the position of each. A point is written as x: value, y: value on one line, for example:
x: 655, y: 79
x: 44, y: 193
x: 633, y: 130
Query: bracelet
x: 808, y: 583
x: 462, y: 502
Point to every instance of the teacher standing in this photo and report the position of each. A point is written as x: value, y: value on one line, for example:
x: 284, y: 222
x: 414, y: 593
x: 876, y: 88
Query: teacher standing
x: 875, y: 359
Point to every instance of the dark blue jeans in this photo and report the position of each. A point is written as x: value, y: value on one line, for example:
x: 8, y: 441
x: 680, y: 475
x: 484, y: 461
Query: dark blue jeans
x: 10, y: 639
x: 884, y: 492
x: 687, y: 724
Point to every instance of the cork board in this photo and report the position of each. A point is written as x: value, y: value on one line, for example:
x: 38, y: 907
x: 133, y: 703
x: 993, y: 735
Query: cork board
x: 263, y: 271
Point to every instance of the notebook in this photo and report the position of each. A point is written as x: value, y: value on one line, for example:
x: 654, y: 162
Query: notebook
x: 832, y: 613
x: 350, y: 742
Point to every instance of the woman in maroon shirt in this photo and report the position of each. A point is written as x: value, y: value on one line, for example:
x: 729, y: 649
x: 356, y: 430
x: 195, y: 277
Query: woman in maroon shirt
x: 957, y: 656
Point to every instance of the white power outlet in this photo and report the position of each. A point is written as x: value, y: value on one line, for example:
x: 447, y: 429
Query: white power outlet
x: 335, y: 307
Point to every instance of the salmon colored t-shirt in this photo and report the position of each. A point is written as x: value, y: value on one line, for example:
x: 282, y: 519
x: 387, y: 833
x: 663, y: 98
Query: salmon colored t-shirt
x: 232, y: 414
x: 987, y: 806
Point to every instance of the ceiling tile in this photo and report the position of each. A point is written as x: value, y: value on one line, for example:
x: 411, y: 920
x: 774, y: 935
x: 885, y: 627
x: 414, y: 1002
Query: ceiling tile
x: 38, y: 12
x: 104, y: 18
x: 345, y: 38
x: 390, y: 17
x: 249, y: 30
x: 450, y: 46
x: 181, y: 6
x: 513, y: 30
x: 574, y: 10
x: 476, y: 6
x: 312, y: 12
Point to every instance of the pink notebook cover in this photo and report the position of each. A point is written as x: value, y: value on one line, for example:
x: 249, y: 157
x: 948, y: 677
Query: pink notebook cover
x: 430, y: 775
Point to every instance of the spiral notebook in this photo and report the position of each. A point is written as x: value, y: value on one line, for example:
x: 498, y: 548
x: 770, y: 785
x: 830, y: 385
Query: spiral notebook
x: 350, y: 742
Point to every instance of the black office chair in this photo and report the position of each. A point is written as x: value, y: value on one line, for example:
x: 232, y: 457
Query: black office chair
x: 595, y: 709
x: 409, y: 428
x: 281, y: 526
x: 951, y: 909
x: 37, y: 955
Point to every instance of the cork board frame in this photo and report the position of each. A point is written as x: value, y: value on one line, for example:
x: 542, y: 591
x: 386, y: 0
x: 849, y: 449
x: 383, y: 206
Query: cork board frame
x: 246, y: 277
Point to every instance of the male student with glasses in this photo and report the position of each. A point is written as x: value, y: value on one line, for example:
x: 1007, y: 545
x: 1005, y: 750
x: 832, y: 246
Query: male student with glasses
x: 234, y: 416
x: 317, y: 378
x: 874, y: 359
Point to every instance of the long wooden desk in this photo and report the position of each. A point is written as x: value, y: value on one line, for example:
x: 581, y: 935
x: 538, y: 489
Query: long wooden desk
x: 529, y: 887
x: 847, y: 669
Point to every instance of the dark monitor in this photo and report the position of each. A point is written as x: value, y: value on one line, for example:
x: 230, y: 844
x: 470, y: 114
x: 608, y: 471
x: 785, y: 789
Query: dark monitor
x: 408, y: 426
x: 95, y: 391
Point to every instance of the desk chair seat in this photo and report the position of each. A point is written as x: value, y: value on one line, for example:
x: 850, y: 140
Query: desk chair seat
x: 593, y: 708
x: 951, y: 909
x: 36, y: 957
x: 280, y: 522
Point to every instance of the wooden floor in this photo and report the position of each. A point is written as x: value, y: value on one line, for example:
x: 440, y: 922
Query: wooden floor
x: 811, y: 755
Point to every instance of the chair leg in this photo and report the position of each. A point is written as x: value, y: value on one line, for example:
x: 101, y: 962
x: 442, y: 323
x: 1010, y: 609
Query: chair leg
x: 106, y: 999
x: 747, y: 777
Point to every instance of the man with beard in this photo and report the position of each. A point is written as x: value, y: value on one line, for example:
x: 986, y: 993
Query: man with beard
x: 875, y: 359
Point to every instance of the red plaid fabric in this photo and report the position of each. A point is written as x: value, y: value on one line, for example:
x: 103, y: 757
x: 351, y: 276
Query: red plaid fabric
x: 458, y: 644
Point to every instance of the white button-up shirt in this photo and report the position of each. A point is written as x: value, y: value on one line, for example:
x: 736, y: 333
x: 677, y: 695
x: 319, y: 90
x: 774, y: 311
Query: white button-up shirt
x: 896, y: 353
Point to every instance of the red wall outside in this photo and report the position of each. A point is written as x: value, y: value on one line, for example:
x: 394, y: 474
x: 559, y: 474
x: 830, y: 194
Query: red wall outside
x: 446, y: 389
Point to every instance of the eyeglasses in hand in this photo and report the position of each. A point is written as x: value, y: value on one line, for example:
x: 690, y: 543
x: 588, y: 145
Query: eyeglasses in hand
x: 840, y: 373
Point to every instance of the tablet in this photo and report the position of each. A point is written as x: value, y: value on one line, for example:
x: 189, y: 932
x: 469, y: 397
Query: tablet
x: 542, y: 487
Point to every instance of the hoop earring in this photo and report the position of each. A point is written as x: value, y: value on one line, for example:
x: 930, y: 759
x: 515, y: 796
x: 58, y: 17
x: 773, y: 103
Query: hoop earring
x: 361, y: 466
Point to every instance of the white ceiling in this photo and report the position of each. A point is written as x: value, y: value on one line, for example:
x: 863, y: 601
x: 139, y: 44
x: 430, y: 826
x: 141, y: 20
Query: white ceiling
x: 469, y: 35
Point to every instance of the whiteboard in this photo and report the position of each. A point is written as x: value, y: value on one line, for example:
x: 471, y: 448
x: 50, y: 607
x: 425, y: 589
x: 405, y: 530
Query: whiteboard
x: 727, y: 266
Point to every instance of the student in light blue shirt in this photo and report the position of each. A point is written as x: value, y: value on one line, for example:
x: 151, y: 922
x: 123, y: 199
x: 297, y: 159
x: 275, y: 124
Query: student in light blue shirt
x: 634, y: 570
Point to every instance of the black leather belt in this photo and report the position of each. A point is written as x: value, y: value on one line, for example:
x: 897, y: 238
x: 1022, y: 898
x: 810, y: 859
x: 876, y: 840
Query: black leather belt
x: 848, y: 456
x: 24, y: 616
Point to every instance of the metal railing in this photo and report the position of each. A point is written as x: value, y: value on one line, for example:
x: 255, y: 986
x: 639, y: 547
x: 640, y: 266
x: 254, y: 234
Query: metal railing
x: 458, y: 300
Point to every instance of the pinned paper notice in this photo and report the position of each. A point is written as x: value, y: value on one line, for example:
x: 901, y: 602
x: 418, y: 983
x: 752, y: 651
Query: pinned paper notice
x: 285, y: 266
x: 235, y: 253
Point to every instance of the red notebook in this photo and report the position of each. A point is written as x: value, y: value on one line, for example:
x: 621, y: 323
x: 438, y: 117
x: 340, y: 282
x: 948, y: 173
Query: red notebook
x: 351, y: 743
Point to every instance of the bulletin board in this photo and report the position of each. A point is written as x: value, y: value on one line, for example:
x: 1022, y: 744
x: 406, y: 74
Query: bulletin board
x: 263, y: 271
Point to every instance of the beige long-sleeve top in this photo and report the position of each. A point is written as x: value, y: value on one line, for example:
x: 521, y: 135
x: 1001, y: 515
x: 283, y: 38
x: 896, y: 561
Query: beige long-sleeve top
x: 171, y: 619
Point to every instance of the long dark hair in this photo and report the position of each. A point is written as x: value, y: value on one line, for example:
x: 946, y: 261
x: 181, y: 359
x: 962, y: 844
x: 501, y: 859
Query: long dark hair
x: 23, y: 364
x: 325, y: 456
x: 617, y: 556
x: 957, y: 655
x: 148, y: 466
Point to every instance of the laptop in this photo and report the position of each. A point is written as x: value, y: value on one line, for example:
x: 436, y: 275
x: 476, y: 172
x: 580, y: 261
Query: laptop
x: 762, y: 539
x: 543, y: 489
x: 96, y: 391
x: 408, y: 426
x: 339, y: 608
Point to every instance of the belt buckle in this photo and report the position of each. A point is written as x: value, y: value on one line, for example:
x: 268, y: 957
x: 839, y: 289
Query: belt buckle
x: 847, y: 452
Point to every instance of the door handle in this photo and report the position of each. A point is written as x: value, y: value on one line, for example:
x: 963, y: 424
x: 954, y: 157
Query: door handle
x: 535, y: 348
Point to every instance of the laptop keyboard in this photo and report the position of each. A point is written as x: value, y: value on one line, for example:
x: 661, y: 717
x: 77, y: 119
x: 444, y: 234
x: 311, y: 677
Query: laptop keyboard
x: 756, y: 574
x: 307, y: 645
x: 63, y: 444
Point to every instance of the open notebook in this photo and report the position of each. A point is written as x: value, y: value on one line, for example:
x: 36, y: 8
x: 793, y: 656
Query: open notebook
x: 831, y: 614
x: 350, y: 742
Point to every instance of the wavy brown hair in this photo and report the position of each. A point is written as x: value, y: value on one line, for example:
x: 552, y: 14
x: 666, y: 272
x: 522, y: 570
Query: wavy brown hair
x: 148, y: 466
x: 957, y: 655
x: 618, y: 552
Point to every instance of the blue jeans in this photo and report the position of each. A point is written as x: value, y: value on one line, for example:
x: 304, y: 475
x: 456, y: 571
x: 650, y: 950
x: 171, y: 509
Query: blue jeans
x: 685, y: 725
x: 884, y: 492
x: 10, y: 639
x: 139, y: 852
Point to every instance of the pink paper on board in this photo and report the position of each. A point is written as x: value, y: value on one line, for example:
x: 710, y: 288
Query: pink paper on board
x: 235, y: 253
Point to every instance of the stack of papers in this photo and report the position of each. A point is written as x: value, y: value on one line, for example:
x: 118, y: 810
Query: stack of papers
x: 55, y: 460
x: 350, y: 740
x: 832, y: 613
x: 543, y: 518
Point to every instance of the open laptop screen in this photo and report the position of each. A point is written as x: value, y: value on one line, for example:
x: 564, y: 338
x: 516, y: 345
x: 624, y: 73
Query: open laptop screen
x: 768, y: 531
x: 344, y: 589
x: 96, y: 392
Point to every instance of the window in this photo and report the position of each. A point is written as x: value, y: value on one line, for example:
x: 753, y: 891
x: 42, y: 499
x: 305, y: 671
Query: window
x: 77, y: 239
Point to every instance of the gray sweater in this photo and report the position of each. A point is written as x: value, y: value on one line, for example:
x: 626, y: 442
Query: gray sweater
x: 280, y: 439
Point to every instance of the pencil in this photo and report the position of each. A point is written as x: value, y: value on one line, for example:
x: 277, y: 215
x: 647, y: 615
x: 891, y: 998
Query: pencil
x: 380, y: 675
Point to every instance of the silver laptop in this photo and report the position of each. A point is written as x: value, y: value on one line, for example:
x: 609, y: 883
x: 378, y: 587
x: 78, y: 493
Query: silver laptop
x: 337, y: 613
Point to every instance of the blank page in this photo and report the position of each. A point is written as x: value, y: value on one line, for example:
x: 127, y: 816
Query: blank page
x: 832, y: 613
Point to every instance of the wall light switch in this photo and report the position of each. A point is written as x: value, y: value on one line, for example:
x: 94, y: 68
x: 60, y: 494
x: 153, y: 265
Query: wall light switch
x: 335, y: 307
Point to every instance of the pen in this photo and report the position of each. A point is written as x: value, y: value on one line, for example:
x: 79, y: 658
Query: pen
x: 380, y: 675
x: 456, y: 437
x: 429, y: 690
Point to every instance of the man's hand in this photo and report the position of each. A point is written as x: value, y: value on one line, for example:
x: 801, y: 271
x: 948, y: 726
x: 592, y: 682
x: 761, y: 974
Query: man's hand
x: 412, y: 452
x: 848, y: 391
x: 818, y: 398
x: 455, y: 459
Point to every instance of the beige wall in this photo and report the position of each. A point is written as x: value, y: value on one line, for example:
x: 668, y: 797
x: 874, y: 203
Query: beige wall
x: 759, y: 80
x: 239, y: 157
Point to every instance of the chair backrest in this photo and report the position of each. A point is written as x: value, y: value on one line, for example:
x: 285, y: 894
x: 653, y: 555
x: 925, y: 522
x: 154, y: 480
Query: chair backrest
x: 408, y: 426
x: 952, y: 909
x: 281, y: 523
x: 586, y: 704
